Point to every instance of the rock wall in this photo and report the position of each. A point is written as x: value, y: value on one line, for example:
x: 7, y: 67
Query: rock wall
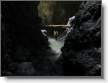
x: 82, y: 49
x: 25, y: 50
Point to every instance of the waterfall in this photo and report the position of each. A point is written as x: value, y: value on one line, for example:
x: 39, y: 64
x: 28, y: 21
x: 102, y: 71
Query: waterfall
x: 56, y: 46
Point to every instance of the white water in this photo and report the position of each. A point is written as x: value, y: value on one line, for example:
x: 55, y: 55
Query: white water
x: 56, y: 46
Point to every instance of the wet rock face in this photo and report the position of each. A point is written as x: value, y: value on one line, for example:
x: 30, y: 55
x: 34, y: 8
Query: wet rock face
x: 23, y: 44
x: 82, y: 49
